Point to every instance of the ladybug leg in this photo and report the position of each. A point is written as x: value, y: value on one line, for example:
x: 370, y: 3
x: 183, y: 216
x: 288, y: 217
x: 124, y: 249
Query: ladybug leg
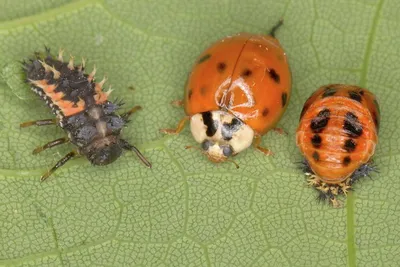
x: 51, y: 144
x: 39, y: 123
x: 177, y: 103
x: 257, y: 142
x: 125, y: 145
x: 178, y: 129
x: 127, y: 114
x: 280, y: 131
x: 60, y: 163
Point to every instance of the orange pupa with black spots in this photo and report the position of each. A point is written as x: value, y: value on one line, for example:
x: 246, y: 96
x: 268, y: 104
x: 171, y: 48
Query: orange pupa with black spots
x: 337, y: 134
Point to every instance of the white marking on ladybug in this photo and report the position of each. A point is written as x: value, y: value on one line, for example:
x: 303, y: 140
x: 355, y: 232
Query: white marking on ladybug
x: 229, y: 92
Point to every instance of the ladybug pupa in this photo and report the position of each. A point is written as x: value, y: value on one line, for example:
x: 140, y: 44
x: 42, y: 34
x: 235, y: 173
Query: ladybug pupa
x: 337, y: 135
x: 237, y: 91
x: 82, y: 110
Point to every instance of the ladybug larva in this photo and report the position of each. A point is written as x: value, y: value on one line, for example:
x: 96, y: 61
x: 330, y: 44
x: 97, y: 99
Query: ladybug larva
x: 237, y: 91
x: 82, y: 110
x: 337, y: 134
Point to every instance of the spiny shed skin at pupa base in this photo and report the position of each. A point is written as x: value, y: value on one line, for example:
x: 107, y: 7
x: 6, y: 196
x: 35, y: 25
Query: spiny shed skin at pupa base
x: 82, y: 109
x: 337, y: 134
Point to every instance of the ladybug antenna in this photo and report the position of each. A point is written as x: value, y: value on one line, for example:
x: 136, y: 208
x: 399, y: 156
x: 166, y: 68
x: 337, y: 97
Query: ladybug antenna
x: 276, y: 27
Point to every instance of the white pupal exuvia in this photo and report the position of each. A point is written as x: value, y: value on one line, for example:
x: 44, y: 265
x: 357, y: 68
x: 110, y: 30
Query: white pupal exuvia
x: 220, y: 134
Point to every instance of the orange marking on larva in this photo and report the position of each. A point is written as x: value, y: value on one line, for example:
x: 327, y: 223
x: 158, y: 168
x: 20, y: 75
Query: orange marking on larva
x: 39, y: 83
x: 69, y: 108
x: 55, y: 96
x: 101, y: 97
x: 49, y: 88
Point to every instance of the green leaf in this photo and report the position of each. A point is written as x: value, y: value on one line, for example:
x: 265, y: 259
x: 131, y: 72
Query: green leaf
x: 187, y: 211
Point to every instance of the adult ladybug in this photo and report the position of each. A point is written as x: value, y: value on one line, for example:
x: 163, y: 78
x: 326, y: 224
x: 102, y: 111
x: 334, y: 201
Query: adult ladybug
x: 237, y: 91
x: 337, y: 135
x: 82, y: 110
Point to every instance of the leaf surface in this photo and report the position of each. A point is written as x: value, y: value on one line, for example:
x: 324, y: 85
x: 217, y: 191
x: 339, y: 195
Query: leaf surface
x: 187, y: 211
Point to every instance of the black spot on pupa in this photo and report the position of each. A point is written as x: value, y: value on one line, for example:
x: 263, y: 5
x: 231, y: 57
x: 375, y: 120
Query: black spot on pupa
x: 355, y: 96
x: 265, y: 112
x: 211, y: 124
x: 352, y: 125
x: 273, y: 75
x: 316, y: 140
x: 203, y: 90
x: 190, y: 93
x: 329, y: 91
x: 228, y: 129
x: 315, y: 156
x: 319, y: 123
x: 204, y: 58
x: 349, y: 145
x: 247, y: 73
x: 346, y: 160
x: 221, y: 67
x: 284, y: 99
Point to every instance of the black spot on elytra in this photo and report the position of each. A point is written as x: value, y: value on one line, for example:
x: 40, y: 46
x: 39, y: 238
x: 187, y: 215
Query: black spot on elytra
x: 190, y: 93
x: 355, y: 96
x: 284, y: 99
x: 203, y: 90
x: 346, y: 160
x: 316, y: 140
x: 211, y: 124
x: 204, y: 58
x: 350, y: 145
x: 273, y: 75
x: 247, y: 73
x: 319, y: 123
x: 228, y: 129
x: 352, y: 125
x: 265, y: 112
x: 329, y: 91
x: 315, y: 156
x: 221, y: 66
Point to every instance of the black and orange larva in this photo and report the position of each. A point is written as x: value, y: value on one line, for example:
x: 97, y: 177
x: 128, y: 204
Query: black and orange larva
x: 82, y: 110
